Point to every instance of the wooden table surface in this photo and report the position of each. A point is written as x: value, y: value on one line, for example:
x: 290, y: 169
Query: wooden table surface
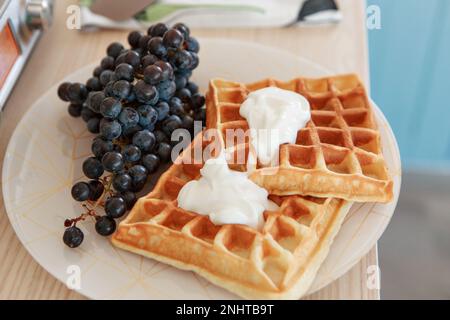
x: 341, y: 48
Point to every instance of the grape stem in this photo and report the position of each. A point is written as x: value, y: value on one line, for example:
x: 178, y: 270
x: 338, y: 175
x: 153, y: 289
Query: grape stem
x: 90, y: 210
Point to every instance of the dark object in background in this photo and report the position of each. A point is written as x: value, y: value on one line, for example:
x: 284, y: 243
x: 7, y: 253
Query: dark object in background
x: 116, y: 10
x: 319, y: 11
x: 21, y: 25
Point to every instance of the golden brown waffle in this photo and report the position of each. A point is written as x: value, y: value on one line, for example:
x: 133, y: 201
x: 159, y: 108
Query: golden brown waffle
x: 338, y: 154
x: 279, y: 261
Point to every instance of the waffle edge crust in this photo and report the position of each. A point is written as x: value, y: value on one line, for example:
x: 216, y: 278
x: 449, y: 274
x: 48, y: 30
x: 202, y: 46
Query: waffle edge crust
x: 280, y: 261
x: 338, y: 154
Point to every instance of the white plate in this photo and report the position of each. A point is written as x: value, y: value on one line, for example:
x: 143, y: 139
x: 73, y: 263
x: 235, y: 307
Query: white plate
x: 44, y: 158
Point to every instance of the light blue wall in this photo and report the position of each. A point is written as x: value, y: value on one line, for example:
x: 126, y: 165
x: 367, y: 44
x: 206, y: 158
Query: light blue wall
x: 410, y: 76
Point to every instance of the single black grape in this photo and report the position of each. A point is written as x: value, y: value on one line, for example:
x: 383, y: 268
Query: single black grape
x: 112, y: 161
x: 176, y: 106
x: 138, y: 186
x: 162, y: 109
x: 183, y: 29
x: 145, y: 93
x: 153, y: 74
x: 173, y: 38
x: 115, y: 207
x: 148, y: 116
x: 167, y: 70
x: 157, y: 48
x: 97, y: 188
x: 164, y: 151
x: 77, y: 93
x: 73, y: 237
x: 161, y: 136
x: 121, y: 89
x: 132, y: 58
x: 192, y: 45
x: 93, y: 125
x: 122, y: 182
x: 107, y: 63
x: 144, y: 140
x: 105, y: 226
x: 124, y: 71
x: 128, y: 132
x: 75, y: 109
x: 95, y: 100
x: 63, y: 91
x: 114, y: 49
x: 187, y: 122
x: 133, y: 38
x: 150, y: 162
x: 197, y: 101
x: 80, y: 191
x: 143, y: 42
x: 131, y: 153
x: 108, y: 90
x: 182, y: 59
x: 138, y: 173
x: 129, y: 197
x: 184, y: 72
x: 97, y: 71
x: 180, y: 81
x: 157, y: 30
x: 172, y: 123
x: 93, y: 84
x: 148, y: 60
x: 166, y: 90
x: 110, y: 108
x: 106, y: 76
x: 121, y: 58
x: 192, y: 87
x: 129, y: 117
x: 110, y: 130
x: 194, y: 61
x: 139, y: 51
x: 184, y: 94
x: 92, y: 168
x: 100, y: 147
x: 87, y: 114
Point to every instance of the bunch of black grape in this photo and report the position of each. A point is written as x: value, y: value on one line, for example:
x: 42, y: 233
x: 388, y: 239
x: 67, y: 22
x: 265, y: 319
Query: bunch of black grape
x: 134, y: 101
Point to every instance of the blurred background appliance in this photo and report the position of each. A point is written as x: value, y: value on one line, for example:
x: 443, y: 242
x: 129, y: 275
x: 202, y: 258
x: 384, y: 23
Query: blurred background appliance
x: 21, y: 24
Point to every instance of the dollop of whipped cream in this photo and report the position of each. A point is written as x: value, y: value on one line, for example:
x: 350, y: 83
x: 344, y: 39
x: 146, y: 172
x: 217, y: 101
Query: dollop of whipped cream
x: 274, y: 117
x: 226, y: 196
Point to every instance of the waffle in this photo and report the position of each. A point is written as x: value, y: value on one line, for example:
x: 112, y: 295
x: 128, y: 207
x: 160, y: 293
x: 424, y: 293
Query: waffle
x: 279, y: 261
x: 338, y: 154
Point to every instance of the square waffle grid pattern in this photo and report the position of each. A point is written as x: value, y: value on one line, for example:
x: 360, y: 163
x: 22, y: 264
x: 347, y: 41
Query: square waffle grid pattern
x: 279, y: 261
x: 338, y: 154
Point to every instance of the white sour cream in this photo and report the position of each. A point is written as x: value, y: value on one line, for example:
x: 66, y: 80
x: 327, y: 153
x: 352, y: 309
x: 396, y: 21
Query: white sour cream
x: 226, y: 196
x: 274, y: 117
